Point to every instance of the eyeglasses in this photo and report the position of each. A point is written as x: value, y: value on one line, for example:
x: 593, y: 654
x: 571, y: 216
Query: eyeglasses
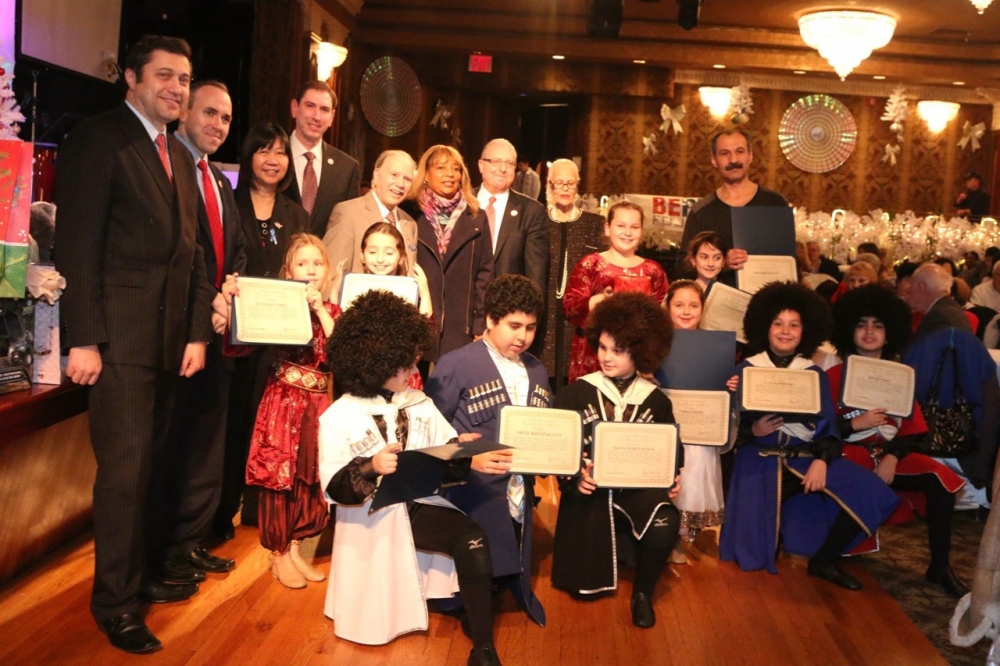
x: 564, y: 185
x: 497, y: 162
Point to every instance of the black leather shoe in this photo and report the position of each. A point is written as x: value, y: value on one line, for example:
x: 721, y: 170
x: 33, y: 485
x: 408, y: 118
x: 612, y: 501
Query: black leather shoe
x: 178, y: 571
x: 202, y: 560
x: 129, y: 633
x: 484, y: 656
x: 158, y: 593
x: 643, y: 614
x: 834, y: 574
x: 224, y: 530
x: 946, y: 578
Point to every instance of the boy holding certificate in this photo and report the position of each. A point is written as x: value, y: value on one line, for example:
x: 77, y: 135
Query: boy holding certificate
x: 791, y: 476
x: 470, y: 386
x: 631, y: 334
x: 388, y: 561
x: 871, y: 322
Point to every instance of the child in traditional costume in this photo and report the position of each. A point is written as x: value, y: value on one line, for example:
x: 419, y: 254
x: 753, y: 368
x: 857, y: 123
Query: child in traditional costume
x: 387, y: 563
x: 630, y: 334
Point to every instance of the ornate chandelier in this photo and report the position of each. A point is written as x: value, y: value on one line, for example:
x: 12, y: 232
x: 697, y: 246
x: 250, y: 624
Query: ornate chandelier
x: 981, y: 5
x: 845, y: 38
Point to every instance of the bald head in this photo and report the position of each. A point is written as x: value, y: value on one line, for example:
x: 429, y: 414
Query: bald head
x: 930, y: 282
x: 498, y: 165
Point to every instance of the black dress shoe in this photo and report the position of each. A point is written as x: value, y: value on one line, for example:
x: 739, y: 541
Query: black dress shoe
x: 643, y: 614
x: 834, y: 574
x: 946, y: 578
x: 129, y: 633
x: 484, y: 656
x: 224, y: 530
x: 202, y: 560
x: 158, y: 593
x: 179, y: 571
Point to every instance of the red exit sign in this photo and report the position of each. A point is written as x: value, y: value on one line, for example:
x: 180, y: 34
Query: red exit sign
x: 481, y: 63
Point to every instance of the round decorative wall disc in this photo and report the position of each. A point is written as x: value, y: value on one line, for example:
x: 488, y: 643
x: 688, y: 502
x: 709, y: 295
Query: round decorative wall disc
x: 390, y: 96
x: 817, y: 133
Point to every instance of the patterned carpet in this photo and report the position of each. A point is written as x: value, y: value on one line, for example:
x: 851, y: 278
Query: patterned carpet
x: 900, y: 567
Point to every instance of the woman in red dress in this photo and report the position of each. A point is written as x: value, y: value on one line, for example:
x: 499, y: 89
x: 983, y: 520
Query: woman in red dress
x: 871, y: 321
x: 601, y: 274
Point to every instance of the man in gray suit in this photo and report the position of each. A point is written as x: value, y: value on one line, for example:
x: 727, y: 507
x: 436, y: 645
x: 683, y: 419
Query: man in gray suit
x: 930, y: 295
x: 350, y: 219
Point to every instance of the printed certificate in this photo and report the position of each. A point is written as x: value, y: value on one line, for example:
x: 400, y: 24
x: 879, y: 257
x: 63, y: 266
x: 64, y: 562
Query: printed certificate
x: 871, y: 383
x: 724, y: 310
x: 270, y: 312
x: 761, y: 269
x: 544, y: 441
x: 702, y: 416
x: 780, y: 391
x: 635, y: 455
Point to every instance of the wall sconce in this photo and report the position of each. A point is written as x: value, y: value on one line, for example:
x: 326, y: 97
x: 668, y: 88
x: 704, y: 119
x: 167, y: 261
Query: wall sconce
x: 717, y: 100
x: 328, y: 57
x: 937, y: 114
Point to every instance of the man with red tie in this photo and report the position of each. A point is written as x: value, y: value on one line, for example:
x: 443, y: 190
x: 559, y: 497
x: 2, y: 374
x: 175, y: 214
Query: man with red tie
x: 194, y: 463
x: 135, y: 316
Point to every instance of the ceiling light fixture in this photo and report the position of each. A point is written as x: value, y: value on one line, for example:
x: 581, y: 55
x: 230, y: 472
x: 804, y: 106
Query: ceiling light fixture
x: 558, y: 57
x: 716, y: 99
x: 328, y: 57
x: 958, y: 83
x: 639, y: 62
x: 937, y: 114
x: 718, y: 66
x: 981, y: 5
x: 799, y: 71
x: 845, y: 38
x: 879, y: 77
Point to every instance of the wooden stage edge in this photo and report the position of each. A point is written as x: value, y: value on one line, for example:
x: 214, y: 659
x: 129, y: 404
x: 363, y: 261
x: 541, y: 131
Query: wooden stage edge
x: 708, y: 613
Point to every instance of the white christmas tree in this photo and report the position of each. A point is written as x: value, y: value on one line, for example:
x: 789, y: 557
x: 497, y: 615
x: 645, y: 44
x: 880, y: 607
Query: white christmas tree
x: 10, y: 113
x: 896, y: 111
x: 741, y: 105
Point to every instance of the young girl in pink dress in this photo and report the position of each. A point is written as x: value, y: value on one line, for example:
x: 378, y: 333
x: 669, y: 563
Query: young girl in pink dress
x: 601, y: 274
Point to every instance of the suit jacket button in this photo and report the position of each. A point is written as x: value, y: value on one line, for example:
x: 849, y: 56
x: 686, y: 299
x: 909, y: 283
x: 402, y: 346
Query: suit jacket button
x: 267, y: 274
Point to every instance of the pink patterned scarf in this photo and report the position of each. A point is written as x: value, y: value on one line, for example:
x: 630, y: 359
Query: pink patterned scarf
x: 442, y: 214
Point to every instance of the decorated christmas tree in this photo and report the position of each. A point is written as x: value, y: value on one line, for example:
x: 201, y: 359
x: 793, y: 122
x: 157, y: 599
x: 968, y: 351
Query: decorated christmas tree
x: 10, y: 113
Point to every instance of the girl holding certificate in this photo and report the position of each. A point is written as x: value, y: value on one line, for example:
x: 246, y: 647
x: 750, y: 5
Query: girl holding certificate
x: 383, y: 252
x: 707, y: 253
x: 282, y: 460
x: 601, y: 274
x: 387, y: 563
x: 790, y: 476
x: 872, y: 322
x: 630, y: 334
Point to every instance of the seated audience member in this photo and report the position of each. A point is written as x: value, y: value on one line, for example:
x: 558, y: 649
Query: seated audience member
x: 597, y: 526
x: 987, y: 294
x: 470, y: 386
x: 778, y: 460
x: 872, y: 323
x: 973, y: 268
x: 904, y: 276
x: 821, y: 264
x: 930, y: 300
x: 948, y: 264
x: 387, y: 563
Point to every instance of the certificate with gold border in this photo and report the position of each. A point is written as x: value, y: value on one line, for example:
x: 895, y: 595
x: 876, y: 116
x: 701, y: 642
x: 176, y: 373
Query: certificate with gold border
x: 635, y: 455
x: 780, y: 391
x: 270, y: 312
x: 542, y: 440
x: 871, y: 383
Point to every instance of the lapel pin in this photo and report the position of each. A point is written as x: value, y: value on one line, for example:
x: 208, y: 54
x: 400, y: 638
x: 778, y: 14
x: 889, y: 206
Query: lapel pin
x: 329, y: 160
x: 513, y: 213
x: 277, y: 225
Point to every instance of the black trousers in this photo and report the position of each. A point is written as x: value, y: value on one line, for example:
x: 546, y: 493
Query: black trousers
x: 843, y: 531
x: 130, y: 412
x: 652, y: 551
x: 194, y: 458
x: 940, y: 509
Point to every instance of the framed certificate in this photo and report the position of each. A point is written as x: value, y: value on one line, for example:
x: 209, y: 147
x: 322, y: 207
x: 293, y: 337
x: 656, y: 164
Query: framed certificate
x: 724, y: 310
x: 544, y: 441
x: 761, y: 269
x: 356, y: 284
x: 270, y: 312
x: 635, y: 455
x: 780, y: 391
x: 702, y: 416
x: 871, y: 383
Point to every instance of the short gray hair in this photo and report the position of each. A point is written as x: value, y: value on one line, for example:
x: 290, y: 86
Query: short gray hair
x: 934, y: 277
x: 386, y: 154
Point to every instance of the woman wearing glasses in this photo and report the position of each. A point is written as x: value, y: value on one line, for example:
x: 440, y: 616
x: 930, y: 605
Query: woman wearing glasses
x: 572, y: 234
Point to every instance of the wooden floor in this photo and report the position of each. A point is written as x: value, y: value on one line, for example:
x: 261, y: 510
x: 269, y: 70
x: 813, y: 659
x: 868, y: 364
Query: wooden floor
x: 708, y: 613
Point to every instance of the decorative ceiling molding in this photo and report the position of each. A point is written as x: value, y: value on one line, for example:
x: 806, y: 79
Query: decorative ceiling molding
x: 810, y: 84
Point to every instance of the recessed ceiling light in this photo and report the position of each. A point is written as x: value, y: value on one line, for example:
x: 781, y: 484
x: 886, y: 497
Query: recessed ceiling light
x: 798, y: 71
x: 639, y: 62
x: 879, y: 77
x: 558, y: 57
x: 958, y: 83
x: 718, y: 66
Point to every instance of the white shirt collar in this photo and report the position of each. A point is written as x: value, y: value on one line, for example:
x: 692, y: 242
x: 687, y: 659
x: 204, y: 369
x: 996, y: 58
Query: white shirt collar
x: 150, y: 128
x: 299, y: 149
x: 383, y: 211
x: 501, y: 199
x: 194, y: 151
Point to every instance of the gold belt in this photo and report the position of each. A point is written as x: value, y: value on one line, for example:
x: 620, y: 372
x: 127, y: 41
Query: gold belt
x: 302, y: 377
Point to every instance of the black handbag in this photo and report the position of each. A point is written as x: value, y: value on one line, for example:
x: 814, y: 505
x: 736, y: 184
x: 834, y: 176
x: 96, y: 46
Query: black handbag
x: 953, y: 431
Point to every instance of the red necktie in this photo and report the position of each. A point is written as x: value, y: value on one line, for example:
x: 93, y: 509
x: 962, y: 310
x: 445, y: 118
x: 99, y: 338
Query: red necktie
x: 309, y: 184
x: 214, y: 220
x: 491, y: 217
x: 161, y: 147
x: 391, y: 218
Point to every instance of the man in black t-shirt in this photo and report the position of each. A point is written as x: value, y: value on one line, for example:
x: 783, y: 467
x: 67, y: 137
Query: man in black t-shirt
x: 731, y: 157
x: 973, y: 203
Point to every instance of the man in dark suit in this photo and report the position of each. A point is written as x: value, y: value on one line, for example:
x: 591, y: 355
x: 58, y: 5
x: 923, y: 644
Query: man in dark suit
x: 930, y: 295
x: 198, y: 430
x: 518, y: 225
x: 136, y: 315
x: 322, y: 176
x: 391, y: 183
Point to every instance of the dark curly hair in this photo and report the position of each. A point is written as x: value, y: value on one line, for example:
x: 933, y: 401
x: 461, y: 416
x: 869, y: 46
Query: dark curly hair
x: 777, y: 297
x: 637, y: 324
x: 513, y: 293
x: 379, y: 335
x: 871, y: 301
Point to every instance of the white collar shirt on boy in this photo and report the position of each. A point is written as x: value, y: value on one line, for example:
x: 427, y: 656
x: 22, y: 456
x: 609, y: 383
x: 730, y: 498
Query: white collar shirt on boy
x: 515, y: 380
